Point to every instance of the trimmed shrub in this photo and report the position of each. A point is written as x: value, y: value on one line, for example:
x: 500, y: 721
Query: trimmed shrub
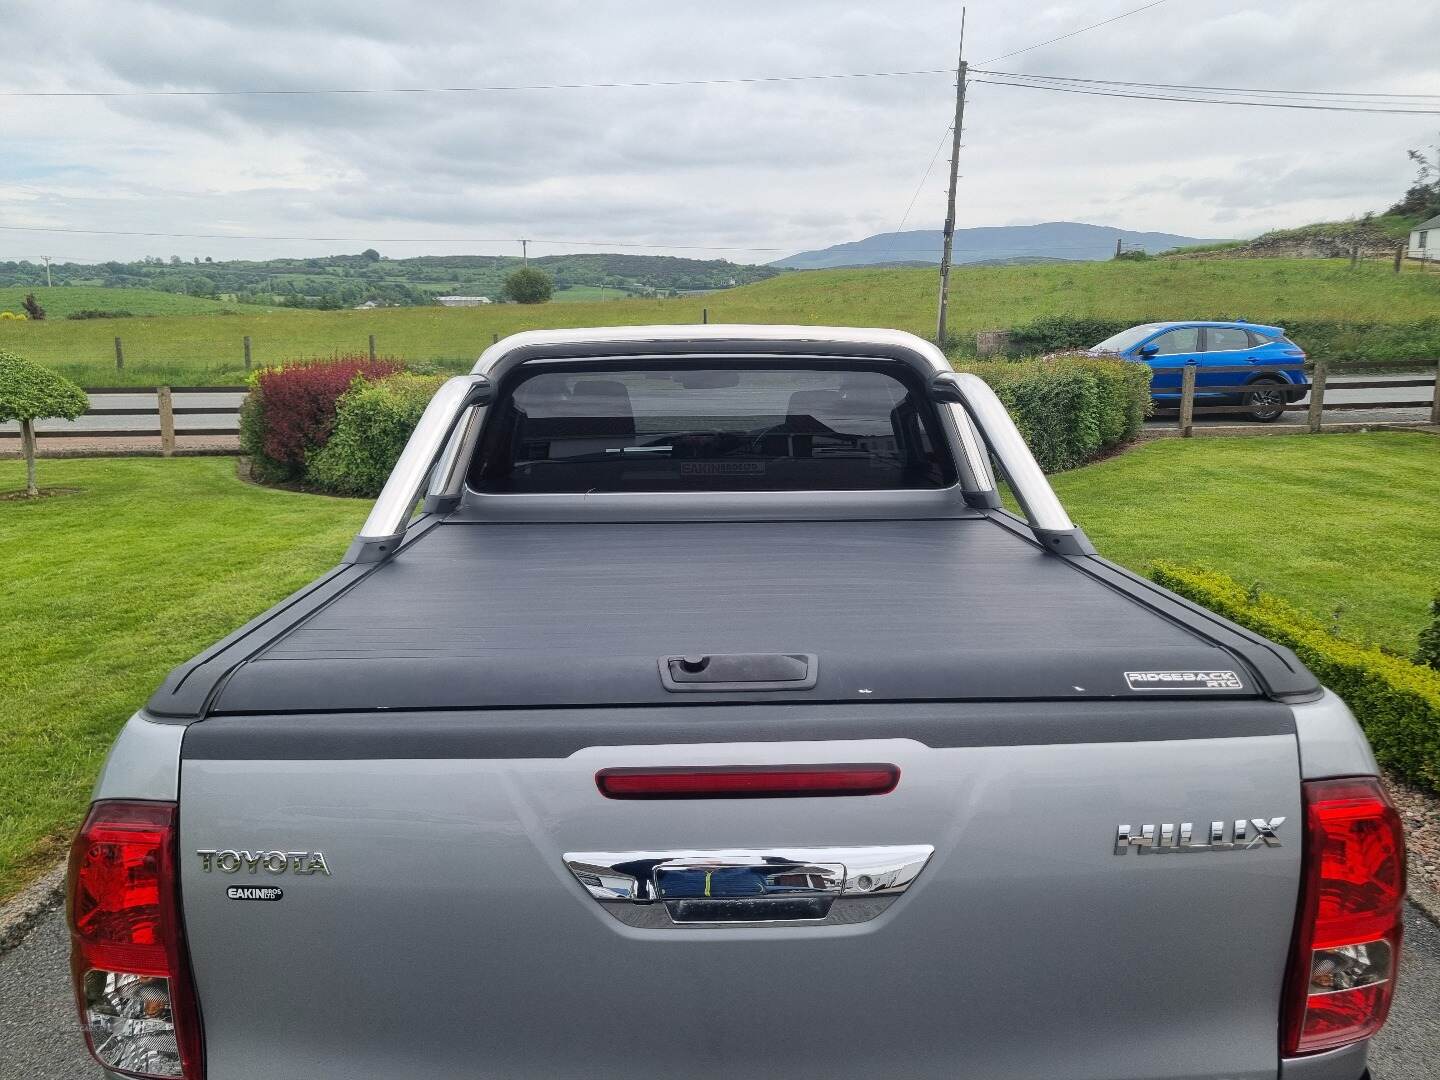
x: 1429, y: 651
x: 1071, y: 409
x: 373, y: 420
x: 1396, y: 702
x: 30, y: 392
x: 290, y: 411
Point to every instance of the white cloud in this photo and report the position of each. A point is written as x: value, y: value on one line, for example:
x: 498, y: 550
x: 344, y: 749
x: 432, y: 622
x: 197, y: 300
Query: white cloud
x: 764, y: 166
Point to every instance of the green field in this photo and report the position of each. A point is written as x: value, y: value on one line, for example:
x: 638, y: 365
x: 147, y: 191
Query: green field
x: 106, y: 590
x: 194, y: 350
x: 59, y: 303
x: 152, y: 560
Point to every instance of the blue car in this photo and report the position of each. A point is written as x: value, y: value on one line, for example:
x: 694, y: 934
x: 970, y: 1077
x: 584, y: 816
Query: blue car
x: 1216, y: 345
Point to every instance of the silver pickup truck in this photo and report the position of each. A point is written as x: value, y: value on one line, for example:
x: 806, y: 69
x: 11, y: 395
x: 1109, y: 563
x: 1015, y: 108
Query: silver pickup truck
x: 713, y: 717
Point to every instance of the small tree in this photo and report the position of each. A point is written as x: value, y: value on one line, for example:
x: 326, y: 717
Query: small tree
x: 529, y: 286
x: 33, y: 308
x: 29, y: 392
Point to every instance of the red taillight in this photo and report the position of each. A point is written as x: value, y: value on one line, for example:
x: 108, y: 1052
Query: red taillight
x: 1347, y: 942
x: 127, y: 956
x: 747, y: 781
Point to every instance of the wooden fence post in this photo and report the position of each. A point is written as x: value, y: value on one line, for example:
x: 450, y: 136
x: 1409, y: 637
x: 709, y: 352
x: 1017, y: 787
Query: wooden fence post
x: 1399, y: 255
x: 1317, y: 396
x: 372, y: 348
x: 1435, y: 401
x: 1187, y: 401
x: 119, y: 356
x: 247, y: 352
x: 167, y: 421
x: 705, y: 315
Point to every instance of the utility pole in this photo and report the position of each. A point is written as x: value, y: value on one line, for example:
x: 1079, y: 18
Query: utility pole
x: 525, y: 252
x: 954, y: 178
x: 47, y: 270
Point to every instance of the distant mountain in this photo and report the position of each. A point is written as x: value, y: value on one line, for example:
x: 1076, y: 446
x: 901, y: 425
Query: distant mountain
x: 1070, y: 240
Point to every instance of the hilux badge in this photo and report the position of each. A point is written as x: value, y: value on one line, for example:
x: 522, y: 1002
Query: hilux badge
x: 1167, y: 837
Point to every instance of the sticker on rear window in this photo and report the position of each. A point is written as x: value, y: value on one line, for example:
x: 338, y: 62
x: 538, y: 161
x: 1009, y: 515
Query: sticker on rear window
x: 1183, y: 680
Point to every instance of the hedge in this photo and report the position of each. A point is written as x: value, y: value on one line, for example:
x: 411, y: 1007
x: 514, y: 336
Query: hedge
x: 1070, y: 409
x: 373, y: 420
x: 1343, y: 343
x: 288, y: 414
x: 1397, y: 702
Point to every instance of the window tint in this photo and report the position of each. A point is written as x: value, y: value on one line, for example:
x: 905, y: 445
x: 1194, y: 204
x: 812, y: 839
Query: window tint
x: 711, y: 429
x: 1184, y: 340
x: 1226, y: 339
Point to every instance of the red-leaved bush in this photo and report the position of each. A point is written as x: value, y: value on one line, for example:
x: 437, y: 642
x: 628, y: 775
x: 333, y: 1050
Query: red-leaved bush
x: 290, y: 411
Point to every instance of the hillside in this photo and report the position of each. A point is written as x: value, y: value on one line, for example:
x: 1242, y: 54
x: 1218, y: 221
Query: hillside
x: 1070, y: 240
x: 1376, y: 313
x: 1373, y: 236
x: 344, y: 281
x: 61, y: 303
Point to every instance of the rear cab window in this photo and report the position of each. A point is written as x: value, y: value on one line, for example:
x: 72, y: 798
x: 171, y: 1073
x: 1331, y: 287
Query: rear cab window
x: 710, y: 428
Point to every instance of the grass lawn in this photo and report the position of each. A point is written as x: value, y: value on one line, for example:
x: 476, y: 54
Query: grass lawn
x: 105, y: 590
x: 205, y: 350
x: 1325, y: 521
x: 152, y: 560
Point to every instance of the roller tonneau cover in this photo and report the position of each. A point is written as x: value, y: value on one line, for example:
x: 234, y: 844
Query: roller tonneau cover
x: 492, y: 615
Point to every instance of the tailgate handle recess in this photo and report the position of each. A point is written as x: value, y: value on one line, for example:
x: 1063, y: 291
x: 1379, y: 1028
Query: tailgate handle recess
x: 712, y: 672
x: 748, y: 887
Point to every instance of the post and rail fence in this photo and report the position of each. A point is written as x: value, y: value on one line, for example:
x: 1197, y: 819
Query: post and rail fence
x: 1192, y: 398
x: 165, y: 410
x: 173, y: 401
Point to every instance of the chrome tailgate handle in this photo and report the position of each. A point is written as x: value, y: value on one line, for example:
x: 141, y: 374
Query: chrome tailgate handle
x: 748, y: 887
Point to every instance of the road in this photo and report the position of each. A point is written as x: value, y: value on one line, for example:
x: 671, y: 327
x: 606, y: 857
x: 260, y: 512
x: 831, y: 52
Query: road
x: 1335, y: 393
x: 225, y: 406
x: 39, y: 1039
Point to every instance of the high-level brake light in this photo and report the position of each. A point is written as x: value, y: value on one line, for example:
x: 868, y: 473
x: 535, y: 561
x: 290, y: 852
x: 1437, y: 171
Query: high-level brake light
x: 747, y: 781
x: 127, y: 955
x: 1347, y: 944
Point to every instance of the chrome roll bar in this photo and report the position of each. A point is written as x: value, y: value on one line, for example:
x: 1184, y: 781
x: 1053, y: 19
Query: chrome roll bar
x: 431, y: 459
x: 385, y: 527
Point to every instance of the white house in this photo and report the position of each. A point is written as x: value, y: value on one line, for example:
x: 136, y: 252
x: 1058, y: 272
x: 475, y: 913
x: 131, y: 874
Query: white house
x: 462, y: 301
x: 1425, y: 240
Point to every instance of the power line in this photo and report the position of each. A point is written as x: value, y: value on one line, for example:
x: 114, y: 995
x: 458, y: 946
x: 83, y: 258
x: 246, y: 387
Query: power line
x: 380, y: 239
x: 1074, y: 33
x: 918, y: 187
x: 1211, y: 89
x: 491, y: 89
x: 1200, y: 100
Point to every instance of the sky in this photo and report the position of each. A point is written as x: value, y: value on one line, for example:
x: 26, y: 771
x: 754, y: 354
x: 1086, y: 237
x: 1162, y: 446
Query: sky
x: 750, y: 171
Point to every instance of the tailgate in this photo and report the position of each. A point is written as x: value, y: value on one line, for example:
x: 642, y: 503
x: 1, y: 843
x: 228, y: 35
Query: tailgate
x: 450, y: 938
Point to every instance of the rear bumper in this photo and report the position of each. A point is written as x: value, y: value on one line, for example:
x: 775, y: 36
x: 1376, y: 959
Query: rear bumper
x: 1347, y: 1063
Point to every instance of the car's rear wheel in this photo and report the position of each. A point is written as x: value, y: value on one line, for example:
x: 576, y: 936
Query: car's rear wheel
x: 1267, y: 399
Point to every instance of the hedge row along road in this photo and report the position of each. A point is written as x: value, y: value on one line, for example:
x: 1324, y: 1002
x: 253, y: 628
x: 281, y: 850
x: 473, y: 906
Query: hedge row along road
x: 207, y: 349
